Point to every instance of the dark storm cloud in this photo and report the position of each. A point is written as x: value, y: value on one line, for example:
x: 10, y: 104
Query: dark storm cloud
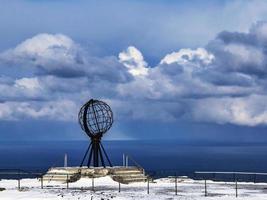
x: 238, y: 38
x: 241, y: 52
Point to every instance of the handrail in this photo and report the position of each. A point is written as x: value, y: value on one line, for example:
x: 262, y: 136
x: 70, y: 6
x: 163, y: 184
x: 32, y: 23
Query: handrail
x: 236, y: 176
x: 134, y: 161
x: 237, y: 173
x: 19, y: 172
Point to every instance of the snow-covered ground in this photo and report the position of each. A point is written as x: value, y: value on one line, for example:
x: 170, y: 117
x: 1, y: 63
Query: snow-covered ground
x: 106, y: 188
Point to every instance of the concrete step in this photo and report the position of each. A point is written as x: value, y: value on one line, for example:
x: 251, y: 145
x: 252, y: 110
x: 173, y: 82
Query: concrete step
x: 128, y: 177
x: 126, y: 173
x: 55, y: 179
x: 61, y: 177
x: 127, y: 169
x: 140, y: 179
x: 126, y: 180
x: 92, y: 175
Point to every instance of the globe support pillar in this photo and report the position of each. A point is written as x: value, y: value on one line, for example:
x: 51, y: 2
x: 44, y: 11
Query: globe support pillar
x: 95, y: 154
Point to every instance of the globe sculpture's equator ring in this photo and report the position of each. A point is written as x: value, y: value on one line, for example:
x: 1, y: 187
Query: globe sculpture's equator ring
x: 95, y: 118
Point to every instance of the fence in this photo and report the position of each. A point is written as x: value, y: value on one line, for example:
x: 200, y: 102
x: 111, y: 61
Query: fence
x: 233, y: 177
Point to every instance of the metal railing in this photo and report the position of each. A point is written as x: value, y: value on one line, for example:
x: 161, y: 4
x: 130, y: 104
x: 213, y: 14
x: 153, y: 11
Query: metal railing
x: 125, y: 163
x: 235, y: 178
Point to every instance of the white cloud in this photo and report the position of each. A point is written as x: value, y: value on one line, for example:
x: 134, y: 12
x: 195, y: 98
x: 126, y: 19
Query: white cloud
x: 215, y: 84
x: 28, y: 83
x: 133, y: 59
x: 43, y: 49
x: 59, y: 55
x: 251, y: 110
x: 187, y: 56
x: 47, y: 46
x: 62, y: 110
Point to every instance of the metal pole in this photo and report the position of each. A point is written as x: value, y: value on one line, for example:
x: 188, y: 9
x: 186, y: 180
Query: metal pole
x: 147, y: 185
x: 85, y: 154
x: 90, y: 156
x: 67, y: 181
x: 236, y: 194
x: 105, y: 154
x: 101, y: 157
x: 175, y: 184
x: 19, y: 182
x: 119, y: 187
x: 235, y: 179
x: 206, y: 194
x: 255, y: 178
x: 65, y: 160
x: 127, y: 159
x: 93, y: 184
x: 123, y: 160
x: 42, y: 183
x: 95, y: 149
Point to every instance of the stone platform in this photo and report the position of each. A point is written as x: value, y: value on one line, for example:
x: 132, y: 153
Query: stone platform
x: 120, y: 174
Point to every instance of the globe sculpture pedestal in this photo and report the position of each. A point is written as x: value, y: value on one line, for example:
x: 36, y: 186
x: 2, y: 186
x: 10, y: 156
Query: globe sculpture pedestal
x: 95, y: 118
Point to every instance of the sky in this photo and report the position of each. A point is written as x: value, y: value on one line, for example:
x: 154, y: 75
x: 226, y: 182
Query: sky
x: 185, y: 70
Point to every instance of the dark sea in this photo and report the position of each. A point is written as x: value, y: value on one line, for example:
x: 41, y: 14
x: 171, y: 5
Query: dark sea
x: 158, y: 157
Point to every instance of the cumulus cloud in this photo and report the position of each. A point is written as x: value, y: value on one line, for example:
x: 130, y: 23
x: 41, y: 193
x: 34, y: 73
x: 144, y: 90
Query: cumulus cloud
x: 185, y: 56
x: 56, y: 70
x: 251, y: 110
x: 47, y: 46
x: 219, y: 83
x: 133, y: 59
x: 59, y: 55
x: 63, y: 110
x: 224, y: 82
x: 28, y: 83
x: 241, y: 52
x: 47, y: 53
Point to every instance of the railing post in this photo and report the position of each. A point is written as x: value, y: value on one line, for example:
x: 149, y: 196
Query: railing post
x: 206, y: 193
x: 66, y: 160
x: 147, y: 185
x: 67, y: 181
x: 236, y: 194
x: 127, y: 160
x: 235, y: 179
x: 119, y: 187
x: 19, y: 182
x: 42, y: 183
x: 93, y: 184
x: 255, y: 178
x: 175, y: 184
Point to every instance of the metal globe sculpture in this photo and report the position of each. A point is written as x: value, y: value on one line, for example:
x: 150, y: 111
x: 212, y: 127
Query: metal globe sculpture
x: 95, y: 118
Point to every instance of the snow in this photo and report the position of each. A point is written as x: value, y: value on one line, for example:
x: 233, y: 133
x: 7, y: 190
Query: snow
x: 106, y: 188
